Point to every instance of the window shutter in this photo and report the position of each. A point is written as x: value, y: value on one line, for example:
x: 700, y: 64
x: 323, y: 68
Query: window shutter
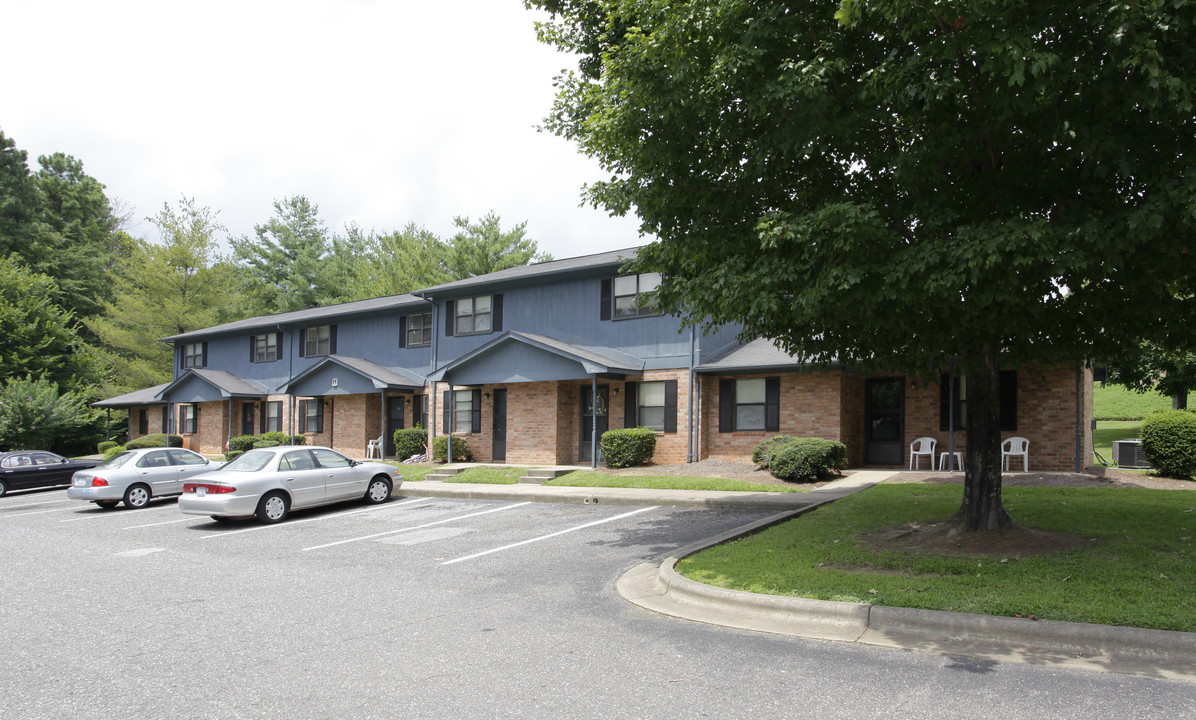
x: 203, y: 361
x: 403, y: 331
x: 945, y: 403
x: 302, y: 416
x: 670, y: 406
x: 496, y: 317
x: 165, y: 419
x: 772, y: 403
x: 604, y: 300
x: 448, y: 415
x: 726, y: 406
x: 475, y: 419
x: 1008, y: 393
x: 303, y: 342
x: 332, y: 340
x: 195, y: 416
x: 631, y: 402
x: 278, y: 345
x: 253, y: 348
x: 262, y: 424
x: 450, y: 317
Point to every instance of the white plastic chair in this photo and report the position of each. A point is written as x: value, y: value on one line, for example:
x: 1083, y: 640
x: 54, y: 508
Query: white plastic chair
x: 922, y: 446
x: 1013, y: 447
x: 374, y: 448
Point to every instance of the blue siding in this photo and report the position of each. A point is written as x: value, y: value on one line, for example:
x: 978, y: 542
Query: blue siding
x: 517, y: 362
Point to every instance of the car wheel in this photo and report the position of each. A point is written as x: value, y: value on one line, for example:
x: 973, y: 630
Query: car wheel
x: 3, y: 488
x: 137, y: 496
x: 107, y: 504
x: 273, y: 508
x: 378, y: 491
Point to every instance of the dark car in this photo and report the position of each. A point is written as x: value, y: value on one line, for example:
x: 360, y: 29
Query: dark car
x: 22, y: 469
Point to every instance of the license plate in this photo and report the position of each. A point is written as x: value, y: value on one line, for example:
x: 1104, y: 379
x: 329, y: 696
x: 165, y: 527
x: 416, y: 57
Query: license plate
x: 201, y: 491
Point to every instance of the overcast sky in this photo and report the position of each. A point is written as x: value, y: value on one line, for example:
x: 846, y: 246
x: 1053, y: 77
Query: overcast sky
x: 381, y: 112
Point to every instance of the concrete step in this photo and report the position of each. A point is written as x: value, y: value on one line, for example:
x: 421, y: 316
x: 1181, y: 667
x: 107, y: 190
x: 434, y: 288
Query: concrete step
x: 443, y: 473
x: 537, y: 476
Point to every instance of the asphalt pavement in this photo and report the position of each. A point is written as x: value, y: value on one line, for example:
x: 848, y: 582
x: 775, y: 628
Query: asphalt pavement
x: 656, y: 586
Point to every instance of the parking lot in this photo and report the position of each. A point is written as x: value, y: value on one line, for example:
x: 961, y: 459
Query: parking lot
x: 431, y: 607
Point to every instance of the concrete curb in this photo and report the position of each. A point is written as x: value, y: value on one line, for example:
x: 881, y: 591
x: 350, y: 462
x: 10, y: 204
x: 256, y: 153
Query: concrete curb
x: 1132, y: 651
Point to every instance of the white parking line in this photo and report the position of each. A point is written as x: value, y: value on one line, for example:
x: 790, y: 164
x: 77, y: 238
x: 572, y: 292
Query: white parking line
x: 392, y: 506
x: 545, y: 537
x: 47, y: 502
x: 417, y: 527
x: 38, y: 512
x: 168, y: 522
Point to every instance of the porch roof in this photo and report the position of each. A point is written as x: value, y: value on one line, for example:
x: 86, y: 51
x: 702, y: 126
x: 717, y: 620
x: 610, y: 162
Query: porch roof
x: 197, y: 385
x: 145, y: 396
x: 759, y: 355
x: 524, y: 357
x: 364, y: 376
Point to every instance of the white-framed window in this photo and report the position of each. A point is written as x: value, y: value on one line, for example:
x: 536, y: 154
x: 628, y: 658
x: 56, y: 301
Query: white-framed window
x: 265, y: 347
x: 272, y: 416
x: 317, y: 341
x: 463, y: 412
x: 419, y: 330
x: 188, y: 418
x: 311, y: 416
x: 633, y: 296
x: 651, y: 405
x: 194, y: 355
x: 474, y: 315
x: 750, y: 400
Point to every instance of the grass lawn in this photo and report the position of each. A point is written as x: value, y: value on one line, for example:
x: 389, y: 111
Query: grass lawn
x: 1109, y: 430
x: 413, y: 472
x: 1113, y: 402
x: 1133, y: 566
x: 585, y: 478
x: 489, y: 475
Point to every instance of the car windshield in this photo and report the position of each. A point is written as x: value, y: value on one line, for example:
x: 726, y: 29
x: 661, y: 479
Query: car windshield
x: 251, y: 461
x: 116, y: 460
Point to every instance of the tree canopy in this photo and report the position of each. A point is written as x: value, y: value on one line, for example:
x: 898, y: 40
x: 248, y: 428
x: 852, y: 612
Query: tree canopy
x: 896, y: 185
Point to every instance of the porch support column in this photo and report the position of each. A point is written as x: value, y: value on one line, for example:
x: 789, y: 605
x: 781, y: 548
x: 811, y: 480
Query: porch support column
x: 229, y: 433
x: 382, y: 430
x: 594, y: 422
x: 108, y: 423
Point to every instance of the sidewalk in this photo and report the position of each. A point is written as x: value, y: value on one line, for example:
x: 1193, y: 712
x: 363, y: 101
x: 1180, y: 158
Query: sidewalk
x: 657, y: 586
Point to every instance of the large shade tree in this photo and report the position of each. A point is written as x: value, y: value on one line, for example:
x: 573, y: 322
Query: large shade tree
x: 909, y: 186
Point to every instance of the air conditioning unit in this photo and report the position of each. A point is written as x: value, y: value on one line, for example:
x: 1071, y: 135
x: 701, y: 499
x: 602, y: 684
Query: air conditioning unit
x: 1129, y: 454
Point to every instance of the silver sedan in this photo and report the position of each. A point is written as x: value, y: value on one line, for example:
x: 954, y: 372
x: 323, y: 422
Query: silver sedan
x: 136, y: 476
x: 270, y: 482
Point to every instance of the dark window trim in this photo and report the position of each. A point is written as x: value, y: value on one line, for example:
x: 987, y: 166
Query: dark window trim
x: 727, y: 407
x: 188, y: 425
x: 451, y: 328
x: 633, y: 412
x: 314, y: 424
x: 648, y: 310
x: 265, y: 421
x: 331, y: 341
x: 406, y: 330
x: 253, y: 348
x: 196, y: 357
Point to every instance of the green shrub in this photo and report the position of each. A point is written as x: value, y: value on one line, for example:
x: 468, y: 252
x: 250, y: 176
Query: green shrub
x: 155, y: 440
x: 440, y: 449
x: 1169, y: 441
x: 763, y: 450
x: 411, y: 441
x: 241, y: 443
x: 104, y: 446
x: 628, y: 446
x: 278, y: 437
x: 807, y: 459
x: 265, y: 444
x: 233, y: 454
x: 114, y: 450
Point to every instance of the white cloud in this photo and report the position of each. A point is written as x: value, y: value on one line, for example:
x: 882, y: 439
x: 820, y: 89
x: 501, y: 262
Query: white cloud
x: 382, y: 113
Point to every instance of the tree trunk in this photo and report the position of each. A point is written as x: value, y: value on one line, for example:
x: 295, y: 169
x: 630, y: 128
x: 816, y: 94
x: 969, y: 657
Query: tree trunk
x: 982, y: 508
x: 1179, y: 402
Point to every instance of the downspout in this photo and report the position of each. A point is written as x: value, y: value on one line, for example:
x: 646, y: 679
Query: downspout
x: 435, y: 350
x: 594, y: 422
x: 950, y: 421
x: 451, y: 405
x: 229, y: 436
x: 693, y: 345
x: 290, y: 375
x: 1079, y: 417
x: 382, y: 427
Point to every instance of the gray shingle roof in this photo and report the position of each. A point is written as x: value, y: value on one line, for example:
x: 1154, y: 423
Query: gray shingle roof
x: 371, y: 370
x: 759, y: 354
x: 228, y: 384
x: 568, y: 266
x: 269, y: 322
x: 146, y: 396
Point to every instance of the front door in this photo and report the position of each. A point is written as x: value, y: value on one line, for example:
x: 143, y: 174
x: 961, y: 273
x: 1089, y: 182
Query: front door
x: 394, y: 421
x: 884, y: 442
x: 247, y: 425
x: 593, y: 413
x: 499, y: 450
